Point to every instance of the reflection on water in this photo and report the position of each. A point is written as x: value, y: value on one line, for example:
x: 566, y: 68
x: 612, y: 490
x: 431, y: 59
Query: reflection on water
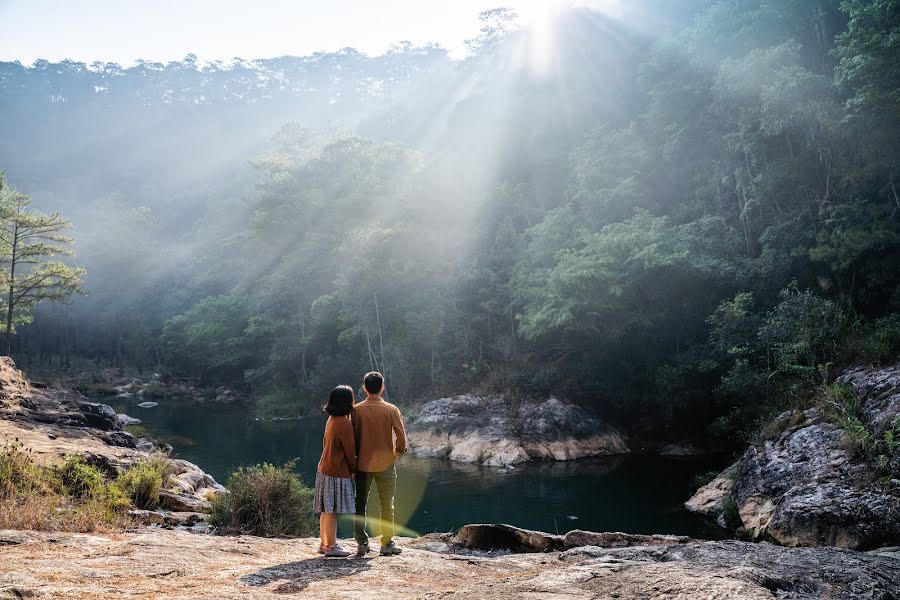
x: 634, y: 494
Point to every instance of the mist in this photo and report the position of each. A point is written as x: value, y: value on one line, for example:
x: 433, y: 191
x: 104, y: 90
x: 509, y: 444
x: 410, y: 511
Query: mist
x: 573, y: 207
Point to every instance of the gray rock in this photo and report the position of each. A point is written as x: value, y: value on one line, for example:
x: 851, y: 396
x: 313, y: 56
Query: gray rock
x: 180, y: 502
x: 797, y: 573
x: 16, y: 592
x: 492, y: 537
x: 118, y: 438
x: 494, y: 432
x: 183, y: 519
x: 806, y: 487
x: 125, y: 420
x: 668, y: 567
x: 99, y: 416
x: 147, y: 517
x: 144, y: 445
x: 12, y: 538
x: 577, y: 538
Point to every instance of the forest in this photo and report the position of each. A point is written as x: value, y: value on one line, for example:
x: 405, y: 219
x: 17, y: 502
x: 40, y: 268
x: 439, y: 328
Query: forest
x: 686, y: 222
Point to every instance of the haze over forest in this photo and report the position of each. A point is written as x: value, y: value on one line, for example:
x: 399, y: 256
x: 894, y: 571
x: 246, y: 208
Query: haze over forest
x: 683, y: 227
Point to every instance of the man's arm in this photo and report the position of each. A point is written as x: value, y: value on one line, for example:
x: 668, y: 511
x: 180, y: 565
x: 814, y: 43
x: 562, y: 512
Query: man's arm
x: 399, y: 431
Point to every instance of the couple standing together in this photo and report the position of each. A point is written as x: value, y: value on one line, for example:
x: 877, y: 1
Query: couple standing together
x: 359, y: 444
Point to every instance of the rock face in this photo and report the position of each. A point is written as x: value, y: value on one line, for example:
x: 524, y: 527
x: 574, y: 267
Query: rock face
x: 156, y: 563
x: 490, y: 431
x: 807, y: 486
x: 500, y: 537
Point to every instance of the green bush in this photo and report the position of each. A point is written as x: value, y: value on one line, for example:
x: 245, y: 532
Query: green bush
x: 143, y: 482
x: 844, y: 408
x: 877, y: 342
x: 266, y: 500
x: 19, y: 476
x: 81, y: 480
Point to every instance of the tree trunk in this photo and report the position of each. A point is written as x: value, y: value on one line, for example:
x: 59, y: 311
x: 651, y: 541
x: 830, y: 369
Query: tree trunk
x: 12, y: 289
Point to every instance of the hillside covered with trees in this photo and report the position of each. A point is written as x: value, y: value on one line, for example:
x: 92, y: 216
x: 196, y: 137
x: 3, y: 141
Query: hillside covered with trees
x: 685, y: 226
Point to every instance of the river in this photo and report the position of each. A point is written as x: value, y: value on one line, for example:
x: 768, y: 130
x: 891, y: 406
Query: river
x: 633, y: 494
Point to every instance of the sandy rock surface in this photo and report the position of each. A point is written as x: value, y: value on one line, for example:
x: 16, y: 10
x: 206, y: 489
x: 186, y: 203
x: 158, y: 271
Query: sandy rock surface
x: 154, y: 563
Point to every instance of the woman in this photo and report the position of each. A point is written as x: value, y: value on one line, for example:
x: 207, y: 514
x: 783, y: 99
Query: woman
x: 334, y: 484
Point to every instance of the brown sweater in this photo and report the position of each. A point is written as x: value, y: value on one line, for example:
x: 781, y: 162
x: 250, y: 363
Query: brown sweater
x: 376, y: 423
x: 338, y: 448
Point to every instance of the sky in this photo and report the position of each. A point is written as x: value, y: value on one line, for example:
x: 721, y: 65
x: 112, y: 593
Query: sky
x: 123, y: 31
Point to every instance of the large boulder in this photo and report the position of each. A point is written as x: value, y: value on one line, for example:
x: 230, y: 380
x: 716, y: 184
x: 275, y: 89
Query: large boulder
x: 499, y: 537
x: 492, y: 431
x: 181, y: 502
x: 188, y: 478
x: 807, y: 486
x: 99, y: 416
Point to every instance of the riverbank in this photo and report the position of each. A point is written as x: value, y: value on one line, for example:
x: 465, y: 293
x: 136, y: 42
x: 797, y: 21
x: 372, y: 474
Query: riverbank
x: 48, y: 424
x: 153, y: 563
x: 825, y: 476
x: 477, y: 561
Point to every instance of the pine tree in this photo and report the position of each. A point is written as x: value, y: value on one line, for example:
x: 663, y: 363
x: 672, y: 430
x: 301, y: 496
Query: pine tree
x: 29, y: 240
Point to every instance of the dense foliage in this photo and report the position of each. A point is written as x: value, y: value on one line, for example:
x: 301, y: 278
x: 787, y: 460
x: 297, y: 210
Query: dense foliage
x: 686, y: 229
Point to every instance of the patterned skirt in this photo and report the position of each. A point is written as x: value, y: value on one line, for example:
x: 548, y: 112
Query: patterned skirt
x: 334, y: 494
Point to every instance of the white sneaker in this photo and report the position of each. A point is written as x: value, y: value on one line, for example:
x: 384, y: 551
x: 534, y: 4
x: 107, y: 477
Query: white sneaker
x: 390, y: 549
x: 337, y: 552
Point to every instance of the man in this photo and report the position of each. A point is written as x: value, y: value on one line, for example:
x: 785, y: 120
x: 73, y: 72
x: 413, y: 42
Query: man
x: 377, y: 422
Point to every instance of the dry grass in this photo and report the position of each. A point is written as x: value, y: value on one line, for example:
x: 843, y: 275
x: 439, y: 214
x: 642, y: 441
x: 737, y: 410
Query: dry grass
x: 28, y: 513
x: 40, y: 498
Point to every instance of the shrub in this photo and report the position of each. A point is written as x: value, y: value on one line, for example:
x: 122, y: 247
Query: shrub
x: 19, y: 476
x: 843, y: 407
x: 266, y: 500
x: 845, y: 410
x: 878, y: 341
x: 142, y: 482
x: 81, y: 480
x: 731, y: 514
x: 71, y: 497
x: 483, y: 456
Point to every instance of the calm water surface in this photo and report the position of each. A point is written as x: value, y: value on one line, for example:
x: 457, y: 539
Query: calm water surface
x: 634, y: 494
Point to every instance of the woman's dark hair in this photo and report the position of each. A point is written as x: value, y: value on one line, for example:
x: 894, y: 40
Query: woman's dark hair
x: 340, y: 402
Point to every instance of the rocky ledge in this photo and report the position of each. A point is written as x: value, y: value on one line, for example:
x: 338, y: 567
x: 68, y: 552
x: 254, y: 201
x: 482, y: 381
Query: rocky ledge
x: 154, y: 563
x: 807, y: 486
x: 51, y: 423
x: 492, y: 431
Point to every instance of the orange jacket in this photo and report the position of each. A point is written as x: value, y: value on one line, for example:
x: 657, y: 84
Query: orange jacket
x: 377, y: 422
x: 338, y: 448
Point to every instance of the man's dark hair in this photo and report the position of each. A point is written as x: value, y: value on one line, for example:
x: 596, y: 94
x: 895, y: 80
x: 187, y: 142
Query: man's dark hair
x: 340, y: 402
x: 373, y: 382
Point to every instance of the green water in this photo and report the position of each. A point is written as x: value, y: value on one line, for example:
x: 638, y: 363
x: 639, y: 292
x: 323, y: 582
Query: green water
x: 634, y: 494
